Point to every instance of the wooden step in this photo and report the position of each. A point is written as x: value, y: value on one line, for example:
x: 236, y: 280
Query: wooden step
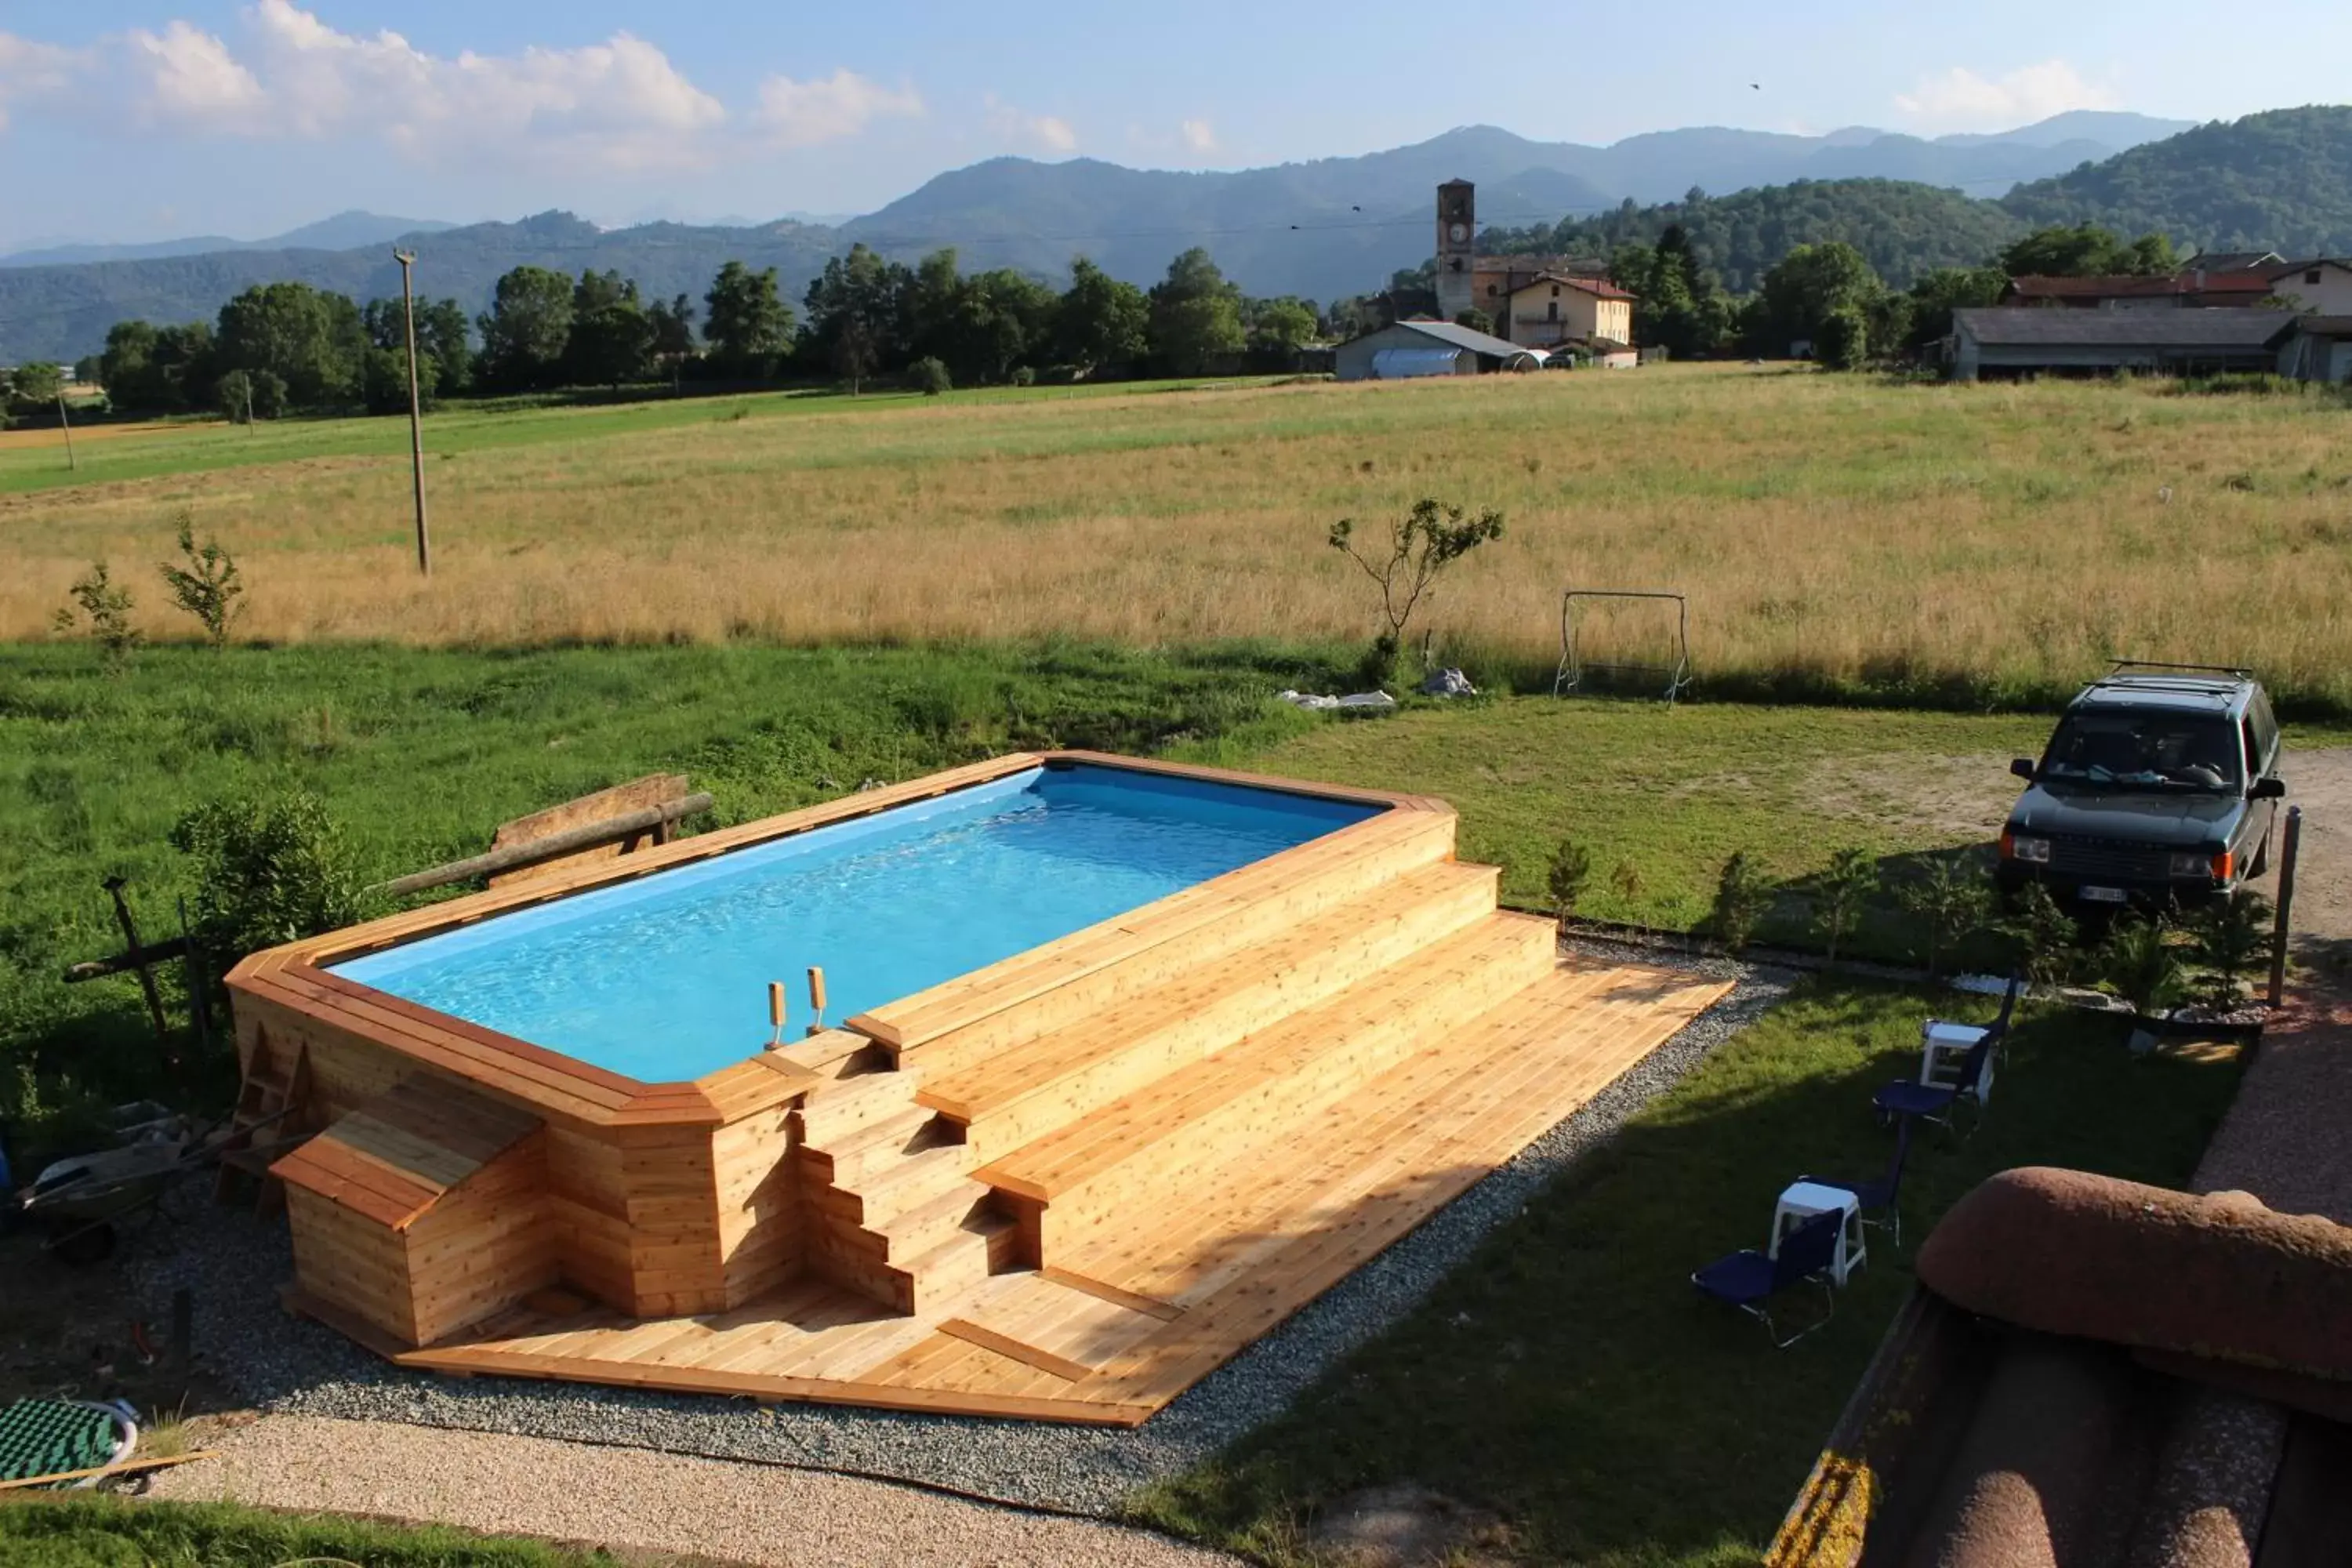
x: 957, y: 1265
x: 1054, y: 985
x: 1164, y: 1138
x: 1025, y: 1093
x: 843, y: 1107
x: 912, y: 1231
x: 911, y: 1182
x: 864, y: 1152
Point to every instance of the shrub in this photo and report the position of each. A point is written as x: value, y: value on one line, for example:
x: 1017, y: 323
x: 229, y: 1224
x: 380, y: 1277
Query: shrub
x: 2140, y: 964
x: 270, y: 868
x: 2228, y: 937
x: 1845, y: 887
x: 1843, y: 340
x: 928, y: 376
x: 2044, y: 935
x: 106, y: 606
x: 208, y: 586
x: 1951, y: 901
x: 1565, y: 877
x: 1024, y: 375
x: 1742, y: 895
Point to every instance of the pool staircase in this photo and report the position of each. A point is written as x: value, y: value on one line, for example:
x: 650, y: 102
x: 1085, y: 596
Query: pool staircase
x: 1216, y: 1066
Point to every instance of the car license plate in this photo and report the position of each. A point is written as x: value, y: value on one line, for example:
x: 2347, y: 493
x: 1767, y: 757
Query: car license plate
x: 2105, y: 896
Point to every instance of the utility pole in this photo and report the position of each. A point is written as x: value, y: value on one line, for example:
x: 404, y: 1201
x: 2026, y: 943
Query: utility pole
x: 67, y: 426
x: 408, y: 259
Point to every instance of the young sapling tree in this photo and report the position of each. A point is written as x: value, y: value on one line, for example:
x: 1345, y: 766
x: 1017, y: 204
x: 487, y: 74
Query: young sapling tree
x: 1421, y: 545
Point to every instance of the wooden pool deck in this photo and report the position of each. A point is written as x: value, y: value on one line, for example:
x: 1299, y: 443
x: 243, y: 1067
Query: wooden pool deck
x: 1255, y: 1177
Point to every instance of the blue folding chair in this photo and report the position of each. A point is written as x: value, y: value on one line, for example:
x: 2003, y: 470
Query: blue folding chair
x: 1883, y: 1195
x: 1749, y: 1279
x: 1905, y: 1098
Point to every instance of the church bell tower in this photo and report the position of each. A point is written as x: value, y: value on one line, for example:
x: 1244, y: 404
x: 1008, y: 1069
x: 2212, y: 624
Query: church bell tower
x: 1458, y: 247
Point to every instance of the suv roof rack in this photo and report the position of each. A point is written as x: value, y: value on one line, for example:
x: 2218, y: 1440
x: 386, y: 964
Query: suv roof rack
x: 2126, y: 666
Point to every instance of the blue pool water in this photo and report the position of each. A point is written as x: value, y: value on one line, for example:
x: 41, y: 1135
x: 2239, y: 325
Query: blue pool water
x: 666, y: 977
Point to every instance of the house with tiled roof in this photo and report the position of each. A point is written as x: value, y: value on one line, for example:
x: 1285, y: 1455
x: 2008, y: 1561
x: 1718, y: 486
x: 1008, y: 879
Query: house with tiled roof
x: 1555, y: 310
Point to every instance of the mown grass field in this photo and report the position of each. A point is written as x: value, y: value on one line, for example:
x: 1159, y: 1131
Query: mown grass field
x: 1837, y: 535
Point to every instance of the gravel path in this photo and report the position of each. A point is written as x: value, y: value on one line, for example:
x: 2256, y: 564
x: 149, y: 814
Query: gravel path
x: 632, y: 1498
x: 233, y: 1264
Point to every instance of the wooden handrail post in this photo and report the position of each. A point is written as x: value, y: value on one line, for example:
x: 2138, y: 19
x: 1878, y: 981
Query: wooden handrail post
x: 2287, y: 847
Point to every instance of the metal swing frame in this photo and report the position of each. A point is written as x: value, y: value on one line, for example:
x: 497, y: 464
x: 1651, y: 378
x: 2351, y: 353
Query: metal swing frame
x: 1573, y: 667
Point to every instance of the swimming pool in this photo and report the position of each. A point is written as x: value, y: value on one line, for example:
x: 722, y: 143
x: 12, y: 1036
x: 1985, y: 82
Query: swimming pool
x: 664, y: 978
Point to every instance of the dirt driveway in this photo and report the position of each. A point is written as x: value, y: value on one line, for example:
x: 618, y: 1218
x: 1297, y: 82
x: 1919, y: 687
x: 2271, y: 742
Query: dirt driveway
x: 2320, y: 782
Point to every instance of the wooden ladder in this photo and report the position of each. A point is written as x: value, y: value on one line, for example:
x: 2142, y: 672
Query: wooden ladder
x: 267, y: 1102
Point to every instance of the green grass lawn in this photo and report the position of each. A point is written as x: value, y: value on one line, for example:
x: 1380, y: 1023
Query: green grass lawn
x: 109, y: 1532
x: 1670, y: 794
x: 1569, y: 1378
x: 187, y: 446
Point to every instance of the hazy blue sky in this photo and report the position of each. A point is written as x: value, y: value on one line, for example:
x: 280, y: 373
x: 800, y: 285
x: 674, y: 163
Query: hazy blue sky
x: 139, y: 120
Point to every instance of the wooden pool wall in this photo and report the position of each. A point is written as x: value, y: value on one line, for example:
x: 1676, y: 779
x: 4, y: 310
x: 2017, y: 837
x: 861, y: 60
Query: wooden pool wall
x: 658, y: 1200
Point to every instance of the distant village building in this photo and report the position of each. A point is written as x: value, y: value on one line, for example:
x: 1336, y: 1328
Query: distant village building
x: 2319, y: 287
x: 2316, y: 288
x: 1537, y: 305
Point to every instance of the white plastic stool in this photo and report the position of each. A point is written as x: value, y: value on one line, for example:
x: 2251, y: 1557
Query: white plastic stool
x: 1802, y: 1200
x: 1942, y: 1052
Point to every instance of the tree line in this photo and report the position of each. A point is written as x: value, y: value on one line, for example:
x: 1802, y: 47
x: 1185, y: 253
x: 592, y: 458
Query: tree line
x: 280, y: 348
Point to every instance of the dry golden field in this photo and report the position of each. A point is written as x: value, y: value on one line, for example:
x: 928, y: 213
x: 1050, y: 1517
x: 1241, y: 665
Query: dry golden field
x: 1835, y: 529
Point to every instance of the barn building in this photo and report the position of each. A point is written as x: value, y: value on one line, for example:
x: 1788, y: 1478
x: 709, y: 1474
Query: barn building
x: 1414, y: 349
x: 2191, y: 341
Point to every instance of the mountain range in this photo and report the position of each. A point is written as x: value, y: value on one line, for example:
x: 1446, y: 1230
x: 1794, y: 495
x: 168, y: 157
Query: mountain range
x: 344, y: 231
x: 1324, y: 228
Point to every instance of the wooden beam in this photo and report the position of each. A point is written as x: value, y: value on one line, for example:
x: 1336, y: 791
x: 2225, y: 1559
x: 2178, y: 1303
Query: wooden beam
x: 128, y: 1467
x: 587, y: 836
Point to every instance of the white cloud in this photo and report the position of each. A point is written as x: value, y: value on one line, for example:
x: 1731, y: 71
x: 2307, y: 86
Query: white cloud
x: 1046, y: 132
x: 30, y: 69
x: 620, y: 104
x: 1960, y: 100
x: 803, y: 113
x: 189, y: 77
x: 1199, y: 135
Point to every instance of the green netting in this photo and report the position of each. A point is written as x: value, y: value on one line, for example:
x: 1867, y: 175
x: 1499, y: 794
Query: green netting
x: 50, y: 1437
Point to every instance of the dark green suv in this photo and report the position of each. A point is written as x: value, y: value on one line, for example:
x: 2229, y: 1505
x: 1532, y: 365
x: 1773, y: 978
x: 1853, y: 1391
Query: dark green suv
x: 2161, y: 786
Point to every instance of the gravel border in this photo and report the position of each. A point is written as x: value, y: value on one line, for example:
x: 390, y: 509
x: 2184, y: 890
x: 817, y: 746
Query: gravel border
x: 232, y: 1264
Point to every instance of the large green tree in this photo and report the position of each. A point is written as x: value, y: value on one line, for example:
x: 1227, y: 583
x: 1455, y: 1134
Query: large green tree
x: 1196, y: 315
x: 159, y: 370
x: 857, y: 315
x: 1282, y: 327
x: 1799, y: 294
x: 2087, y: 250
x: 1102, y: 320
x: 1678, y: 305
x: 611, y: 336
x: 749, y: 327
x: 526, y: 329
x: 312, y: 340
